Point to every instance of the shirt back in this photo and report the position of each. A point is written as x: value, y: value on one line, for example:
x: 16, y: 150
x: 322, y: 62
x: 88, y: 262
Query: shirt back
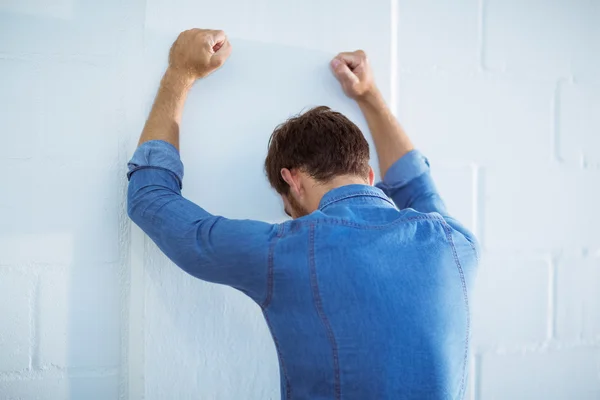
x: 366, y: 298
x: 369, y: 302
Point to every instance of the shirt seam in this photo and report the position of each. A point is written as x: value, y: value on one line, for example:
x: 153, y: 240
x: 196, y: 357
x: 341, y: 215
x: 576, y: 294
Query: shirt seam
x: 319, y: 306
x: 448, y: 231
x: 475, y: 251
x: 152, y: 216
x: 336, y: 221
x: 288, y: 387
x: 271, y: 269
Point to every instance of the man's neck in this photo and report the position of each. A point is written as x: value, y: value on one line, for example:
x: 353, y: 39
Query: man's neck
x: 335, y: 183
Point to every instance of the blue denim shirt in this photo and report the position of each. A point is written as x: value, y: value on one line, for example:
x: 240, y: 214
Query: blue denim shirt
x: 366, y: 298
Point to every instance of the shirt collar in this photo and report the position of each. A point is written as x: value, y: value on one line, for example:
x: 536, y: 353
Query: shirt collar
x: 349, y: 191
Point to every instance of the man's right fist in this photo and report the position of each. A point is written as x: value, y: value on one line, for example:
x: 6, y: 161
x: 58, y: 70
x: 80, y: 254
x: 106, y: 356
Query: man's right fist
x: 198, y: 52
x: 354, y: 73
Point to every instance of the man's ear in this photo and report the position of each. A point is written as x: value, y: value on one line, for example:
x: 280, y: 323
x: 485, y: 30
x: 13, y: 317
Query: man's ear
x: 371, y: 176
x: 292, y: 179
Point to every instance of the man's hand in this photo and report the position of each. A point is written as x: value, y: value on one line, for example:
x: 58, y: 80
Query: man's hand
x: 355, y: 75
x: 195, y: 54
x: 198, y: 52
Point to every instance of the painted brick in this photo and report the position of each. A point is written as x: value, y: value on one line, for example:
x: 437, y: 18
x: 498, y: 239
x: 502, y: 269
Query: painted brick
x: 471, y: 379
x: 551, y: 375
x: 54, y: 388
x: 541, y: 208
x: 435, y: 34
x: 73, y: 29
x: 479, y: 118
x: 235, y: 359
x: 60, y: 9
x: 63, y: 106
x: 54, y: 212
x: 510, y: 303
x: 87, y: 133
x: 577, y: 299
x: 15, y: 332
x: 79, y: 318
x: 20, y: 101
x: 50, y: 248
x: 552, y: 39
x: 54, y: 93
x: 579, y: 123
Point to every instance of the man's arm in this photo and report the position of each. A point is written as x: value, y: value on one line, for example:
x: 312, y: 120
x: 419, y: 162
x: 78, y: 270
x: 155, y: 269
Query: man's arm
x: 195, y: 54
x: 354, y: 73
x: 405, y: 171
x: 206, y: 246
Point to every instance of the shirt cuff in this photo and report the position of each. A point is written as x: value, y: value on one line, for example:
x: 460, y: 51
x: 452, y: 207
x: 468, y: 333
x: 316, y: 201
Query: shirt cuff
x: 156, y: 154
x: 410, y: 166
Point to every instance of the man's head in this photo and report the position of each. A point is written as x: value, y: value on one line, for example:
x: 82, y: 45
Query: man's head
x: 312, y: 153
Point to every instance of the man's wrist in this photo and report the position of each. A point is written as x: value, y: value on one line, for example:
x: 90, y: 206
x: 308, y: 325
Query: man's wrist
x: 177, y: 80
x: 372, y: 100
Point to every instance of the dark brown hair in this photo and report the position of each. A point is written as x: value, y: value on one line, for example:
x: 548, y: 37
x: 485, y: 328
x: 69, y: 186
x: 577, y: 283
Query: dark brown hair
x: 320, y: 142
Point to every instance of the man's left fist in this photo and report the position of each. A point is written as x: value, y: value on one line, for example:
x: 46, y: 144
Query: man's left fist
x: 198, y: 52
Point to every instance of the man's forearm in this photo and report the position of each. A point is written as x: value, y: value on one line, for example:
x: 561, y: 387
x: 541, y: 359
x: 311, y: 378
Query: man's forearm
x: 391, y: 142
x: 165, y: 116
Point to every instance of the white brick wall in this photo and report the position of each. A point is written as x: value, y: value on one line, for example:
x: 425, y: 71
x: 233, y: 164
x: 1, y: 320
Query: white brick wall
x: 567, y: 373
x: 63, y: 279
x: 503, y: 96
x: 513, y: 306
x: 16, y: 293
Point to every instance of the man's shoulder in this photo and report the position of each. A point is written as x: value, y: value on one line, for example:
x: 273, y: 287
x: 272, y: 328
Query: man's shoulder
x: 396, y: 220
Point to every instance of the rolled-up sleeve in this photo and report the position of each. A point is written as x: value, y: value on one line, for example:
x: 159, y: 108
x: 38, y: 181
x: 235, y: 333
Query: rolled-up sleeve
x: 209, y: 247
x: 408, y: 182
x: 157, y: 154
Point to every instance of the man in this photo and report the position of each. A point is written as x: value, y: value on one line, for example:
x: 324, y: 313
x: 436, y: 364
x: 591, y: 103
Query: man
x: 366, y: 290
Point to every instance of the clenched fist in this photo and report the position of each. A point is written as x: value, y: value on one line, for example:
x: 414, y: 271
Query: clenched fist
x: 198, y: 52
x: 354, y: 73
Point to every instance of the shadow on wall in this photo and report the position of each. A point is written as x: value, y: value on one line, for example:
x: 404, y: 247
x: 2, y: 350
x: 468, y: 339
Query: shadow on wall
x: 208, y: 340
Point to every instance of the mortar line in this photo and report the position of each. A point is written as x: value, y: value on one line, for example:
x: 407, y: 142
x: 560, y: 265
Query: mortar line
x: 551, y: 311
x: 479, y: 204
x: 481, y: 34
x: 475, y: 198
x: 394, y: 57
x: 34, y: 309
x: 132, y: 386
x: 555, y: 113
x: 53, y: 372
x: 476, y: 379
x: 137, y: 305
x: 472, y: 377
